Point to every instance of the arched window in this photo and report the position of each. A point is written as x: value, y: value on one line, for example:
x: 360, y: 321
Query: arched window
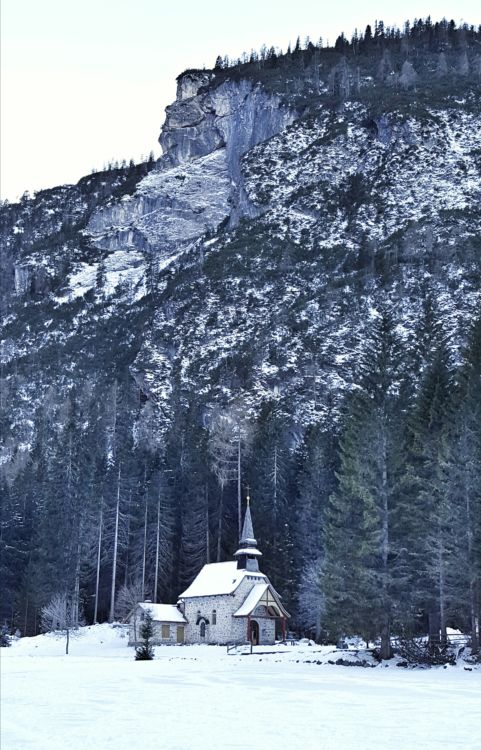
x: 214, y: 617
x: 202, y: 629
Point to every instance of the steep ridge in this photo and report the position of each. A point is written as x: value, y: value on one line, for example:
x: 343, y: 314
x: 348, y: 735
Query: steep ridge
x: 197, y: 185
x: 257, y: 246
x: 350, y: 211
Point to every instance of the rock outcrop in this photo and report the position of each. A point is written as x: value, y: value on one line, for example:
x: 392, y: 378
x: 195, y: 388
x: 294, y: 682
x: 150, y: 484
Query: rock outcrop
x: 198, y: 183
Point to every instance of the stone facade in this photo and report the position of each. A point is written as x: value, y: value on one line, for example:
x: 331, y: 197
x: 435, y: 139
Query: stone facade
x: 167, y: 630
x: 223, y: 628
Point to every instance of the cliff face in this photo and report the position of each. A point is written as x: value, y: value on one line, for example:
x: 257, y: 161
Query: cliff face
x: 250, y: 259
x: 351, y: 211
x: 198, y: 183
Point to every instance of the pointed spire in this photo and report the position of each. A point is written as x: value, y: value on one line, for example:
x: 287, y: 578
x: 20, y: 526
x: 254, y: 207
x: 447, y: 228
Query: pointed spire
x: 248, y: 553
x: 247, y: 536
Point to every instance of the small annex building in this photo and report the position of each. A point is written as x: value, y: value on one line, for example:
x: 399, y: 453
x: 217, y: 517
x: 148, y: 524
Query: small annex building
x: 227, y: 602
x: 168, y: 623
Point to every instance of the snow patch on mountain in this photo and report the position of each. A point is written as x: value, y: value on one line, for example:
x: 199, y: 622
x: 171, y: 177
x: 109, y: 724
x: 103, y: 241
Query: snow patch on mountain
x: 123, y: 267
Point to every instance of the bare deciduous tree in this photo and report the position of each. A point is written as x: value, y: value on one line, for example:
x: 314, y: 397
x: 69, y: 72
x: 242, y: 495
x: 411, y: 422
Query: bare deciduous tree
x: 57, y: 616
x: 127, y: 600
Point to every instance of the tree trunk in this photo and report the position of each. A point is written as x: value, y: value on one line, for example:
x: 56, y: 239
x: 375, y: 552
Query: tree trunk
x: 274, y: 478
x: 474, y: 624
x: 116, y: 542
x: 157, y: 552
x: 207, y: 531
x: 26, y: 615
x: 219, y: 526
x: 127, y: 536
x: 469, y: 543
x: 239, y: 487
x: 386, y: 652
x: 76, y: 593
x: 144, y: 555
x: 97, y: 575
x: 442, y: 596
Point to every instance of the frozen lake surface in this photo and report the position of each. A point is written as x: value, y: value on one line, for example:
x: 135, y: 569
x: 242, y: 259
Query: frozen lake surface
x: 196, y: 697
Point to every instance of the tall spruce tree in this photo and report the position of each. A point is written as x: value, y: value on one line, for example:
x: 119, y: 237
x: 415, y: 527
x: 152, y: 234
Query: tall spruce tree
x: 315, y: 483
x: 464, y: 469
x: 429, y: 451
x: 362, y: 567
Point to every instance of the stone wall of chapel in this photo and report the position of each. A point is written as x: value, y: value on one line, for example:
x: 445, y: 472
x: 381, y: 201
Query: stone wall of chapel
x: 227, y: 629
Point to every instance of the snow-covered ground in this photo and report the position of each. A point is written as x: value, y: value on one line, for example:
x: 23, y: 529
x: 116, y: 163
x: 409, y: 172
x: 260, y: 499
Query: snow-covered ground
x: 193, y: 697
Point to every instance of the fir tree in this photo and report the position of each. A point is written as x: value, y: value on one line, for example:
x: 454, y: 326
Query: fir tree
x: 429, y: 475
x: 464, y: 468
x: 362, y: 566
x: 145, y: 652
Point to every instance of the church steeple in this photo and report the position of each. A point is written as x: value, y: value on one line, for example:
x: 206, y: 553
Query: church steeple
x: 247, y: 555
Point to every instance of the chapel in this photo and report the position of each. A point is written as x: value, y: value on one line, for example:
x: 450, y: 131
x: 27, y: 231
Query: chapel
x: 227, y: 602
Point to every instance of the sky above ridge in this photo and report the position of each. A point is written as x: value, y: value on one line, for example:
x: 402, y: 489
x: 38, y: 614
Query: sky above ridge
x: 84, y: 82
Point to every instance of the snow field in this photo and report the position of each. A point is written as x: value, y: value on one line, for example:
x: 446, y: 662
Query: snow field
x: 193, y: 697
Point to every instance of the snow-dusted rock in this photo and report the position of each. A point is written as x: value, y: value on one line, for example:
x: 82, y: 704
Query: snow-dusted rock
x: 198, y: 183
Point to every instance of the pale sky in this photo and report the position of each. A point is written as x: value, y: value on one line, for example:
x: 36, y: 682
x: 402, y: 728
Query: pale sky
x: 86, y: 81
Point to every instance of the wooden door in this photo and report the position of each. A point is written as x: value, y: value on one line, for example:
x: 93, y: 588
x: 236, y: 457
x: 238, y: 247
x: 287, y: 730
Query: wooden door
x: 180, y: 633
x: 254, y: 632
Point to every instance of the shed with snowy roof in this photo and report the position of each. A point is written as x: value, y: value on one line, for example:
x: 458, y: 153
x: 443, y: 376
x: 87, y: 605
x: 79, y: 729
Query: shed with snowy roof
x: 233, y: 602
x: 168, y: 622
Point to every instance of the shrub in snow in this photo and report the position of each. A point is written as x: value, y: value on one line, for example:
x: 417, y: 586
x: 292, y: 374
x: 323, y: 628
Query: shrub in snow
x: 4, y: 638
x: 417, y: 651
x: 145, y: 651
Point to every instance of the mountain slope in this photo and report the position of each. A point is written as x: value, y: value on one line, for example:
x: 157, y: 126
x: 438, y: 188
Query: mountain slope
x: 298, y: 197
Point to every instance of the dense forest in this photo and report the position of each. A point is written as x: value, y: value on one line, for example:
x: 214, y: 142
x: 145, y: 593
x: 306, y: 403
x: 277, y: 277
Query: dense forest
x: 373, y: 523
x: 424, y: 56
x: 369, y: 518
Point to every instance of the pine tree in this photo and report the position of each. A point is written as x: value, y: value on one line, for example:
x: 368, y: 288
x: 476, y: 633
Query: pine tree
x: 145, y: 652
x: 464, y: 469
x: 273, y: 499
x: 315, y: 483
x: 429, y: 488
x: 362, y: 567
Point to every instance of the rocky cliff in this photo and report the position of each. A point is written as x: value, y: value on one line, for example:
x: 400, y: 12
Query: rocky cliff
x: 197, y: 185
x: 248, y: 261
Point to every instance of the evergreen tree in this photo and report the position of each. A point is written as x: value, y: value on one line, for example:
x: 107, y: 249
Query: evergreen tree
x: 145, y: 652
x: 464, y: 478
x: 315, y: 483
x: 362, y: 568
x: 429, y: 487
x: 273, y: 498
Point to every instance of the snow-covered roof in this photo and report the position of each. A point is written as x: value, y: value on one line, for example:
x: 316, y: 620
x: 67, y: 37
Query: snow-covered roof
x: 252, y: 600
x: 249, y: 551
x: 260, y: 591
x: 163, y: 612
x: 218, y: 578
